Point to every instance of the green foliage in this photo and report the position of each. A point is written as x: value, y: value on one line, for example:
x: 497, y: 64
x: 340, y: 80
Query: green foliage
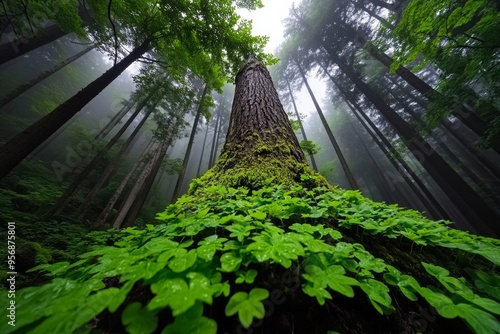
x: 309, y: 147
x: 202, y: 252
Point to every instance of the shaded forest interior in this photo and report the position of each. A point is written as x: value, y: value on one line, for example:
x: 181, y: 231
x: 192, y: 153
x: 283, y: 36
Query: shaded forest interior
x: 111, y: 111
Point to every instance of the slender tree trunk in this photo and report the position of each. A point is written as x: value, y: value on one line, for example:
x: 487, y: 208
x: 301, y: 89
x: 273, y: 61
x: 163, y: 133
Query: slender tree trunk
x: 426, y: 197
x: 139, y: 183
x: 138, y: 203
x: 202, y: 152
x: 180, y: 179
x: 64, y: 199
x: 18, y: 47
x: 216, y: 127
x: 338, y: 151
x: 101, y: 220
x: 460, y: 192
x: 115, y: 120
x: 370, y: 12
x: 15, y: 150
x: 311, y: 156
x: 468, y: 117
x: 113, y: 164
x: 217, y: 137
x: 24, y: 87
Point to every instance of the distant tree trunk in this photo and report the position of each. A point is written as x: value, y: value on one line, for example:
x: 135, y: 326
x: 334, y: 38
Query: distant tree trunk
x: 15, y: 150
x: 217, y: 137
x: 216, y: 127
x: 64, y: 199
x: 113, y: 164
x: 202, y: 152
x: 139, y: 184
x: 24, y: 87
x: 370, y: 12
x: 138, y: 203
x: 338, y: 151
x: 460, y: 192
x: 426, y: 197
x: 311, y: 156
x: 468, y: 117
x: 101, y: 220
x: 180, y: 179
x: 115, y: 120
x: 18, y: 47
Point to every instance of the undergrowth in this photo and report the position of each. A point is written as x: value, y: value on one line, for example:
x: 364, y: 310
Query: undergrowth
x: 223, y: 247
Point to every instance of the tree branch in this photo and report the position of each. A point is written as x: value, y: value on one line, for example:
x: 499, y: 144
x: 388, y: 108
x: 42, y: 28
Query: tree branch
x: 114, y: 31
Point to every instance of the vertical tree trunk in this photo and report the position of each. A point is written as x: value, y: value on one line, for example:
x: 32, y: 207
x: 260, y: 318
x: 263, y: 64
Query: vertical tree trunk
x: 24, y: 87
x: 460, y: 192
x: 15, y: 150
x: 216, y: 127
x: 115, y: 120
x: 139, y: 183
x: 426, y: 197
x: 311, y: 156
x: 217, y: 137
x: 138, y: 203
x: 202, y: 152
x: 370, y: 12
x: 180, y: 179
x: 338, y: 151
x: 113, y: 164
x: 64, y: 199
x: 101, y: 220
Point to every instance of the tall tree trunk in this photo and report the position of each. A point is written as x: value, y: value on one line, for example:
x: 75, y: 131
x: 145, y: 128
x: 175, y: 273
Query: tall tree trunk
x: 472, y: 205
x: 115, y: 120
x: 101, y: 220
x: 180, y: 179
x: 64, y: 199
x: 338, y: 151
x: 468, y: 117
x: 15, y: 150
x: 311, y: 156
x: 18, y: 47
x: 216, y: 127
x: 426, y: 197
x: 202, y: 152
x: 113, y: 164
x: 24, y: 87
x: 372, y: 13
x: 138, y: 185
x: 139, y: 201
x: 217, y: 139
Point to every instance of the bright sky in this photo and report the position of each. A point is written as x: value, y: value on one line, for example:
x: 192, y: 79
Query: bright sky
x: 267, y: 21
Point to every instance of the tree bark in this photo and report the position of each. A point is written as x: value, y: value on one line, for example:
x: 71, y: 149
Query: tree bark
x: 180, y: 179
x: 472, y: 205
x: 261, y: 147
x: 311, y: 156
x: 338, y: 151
x: 15, y: 150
